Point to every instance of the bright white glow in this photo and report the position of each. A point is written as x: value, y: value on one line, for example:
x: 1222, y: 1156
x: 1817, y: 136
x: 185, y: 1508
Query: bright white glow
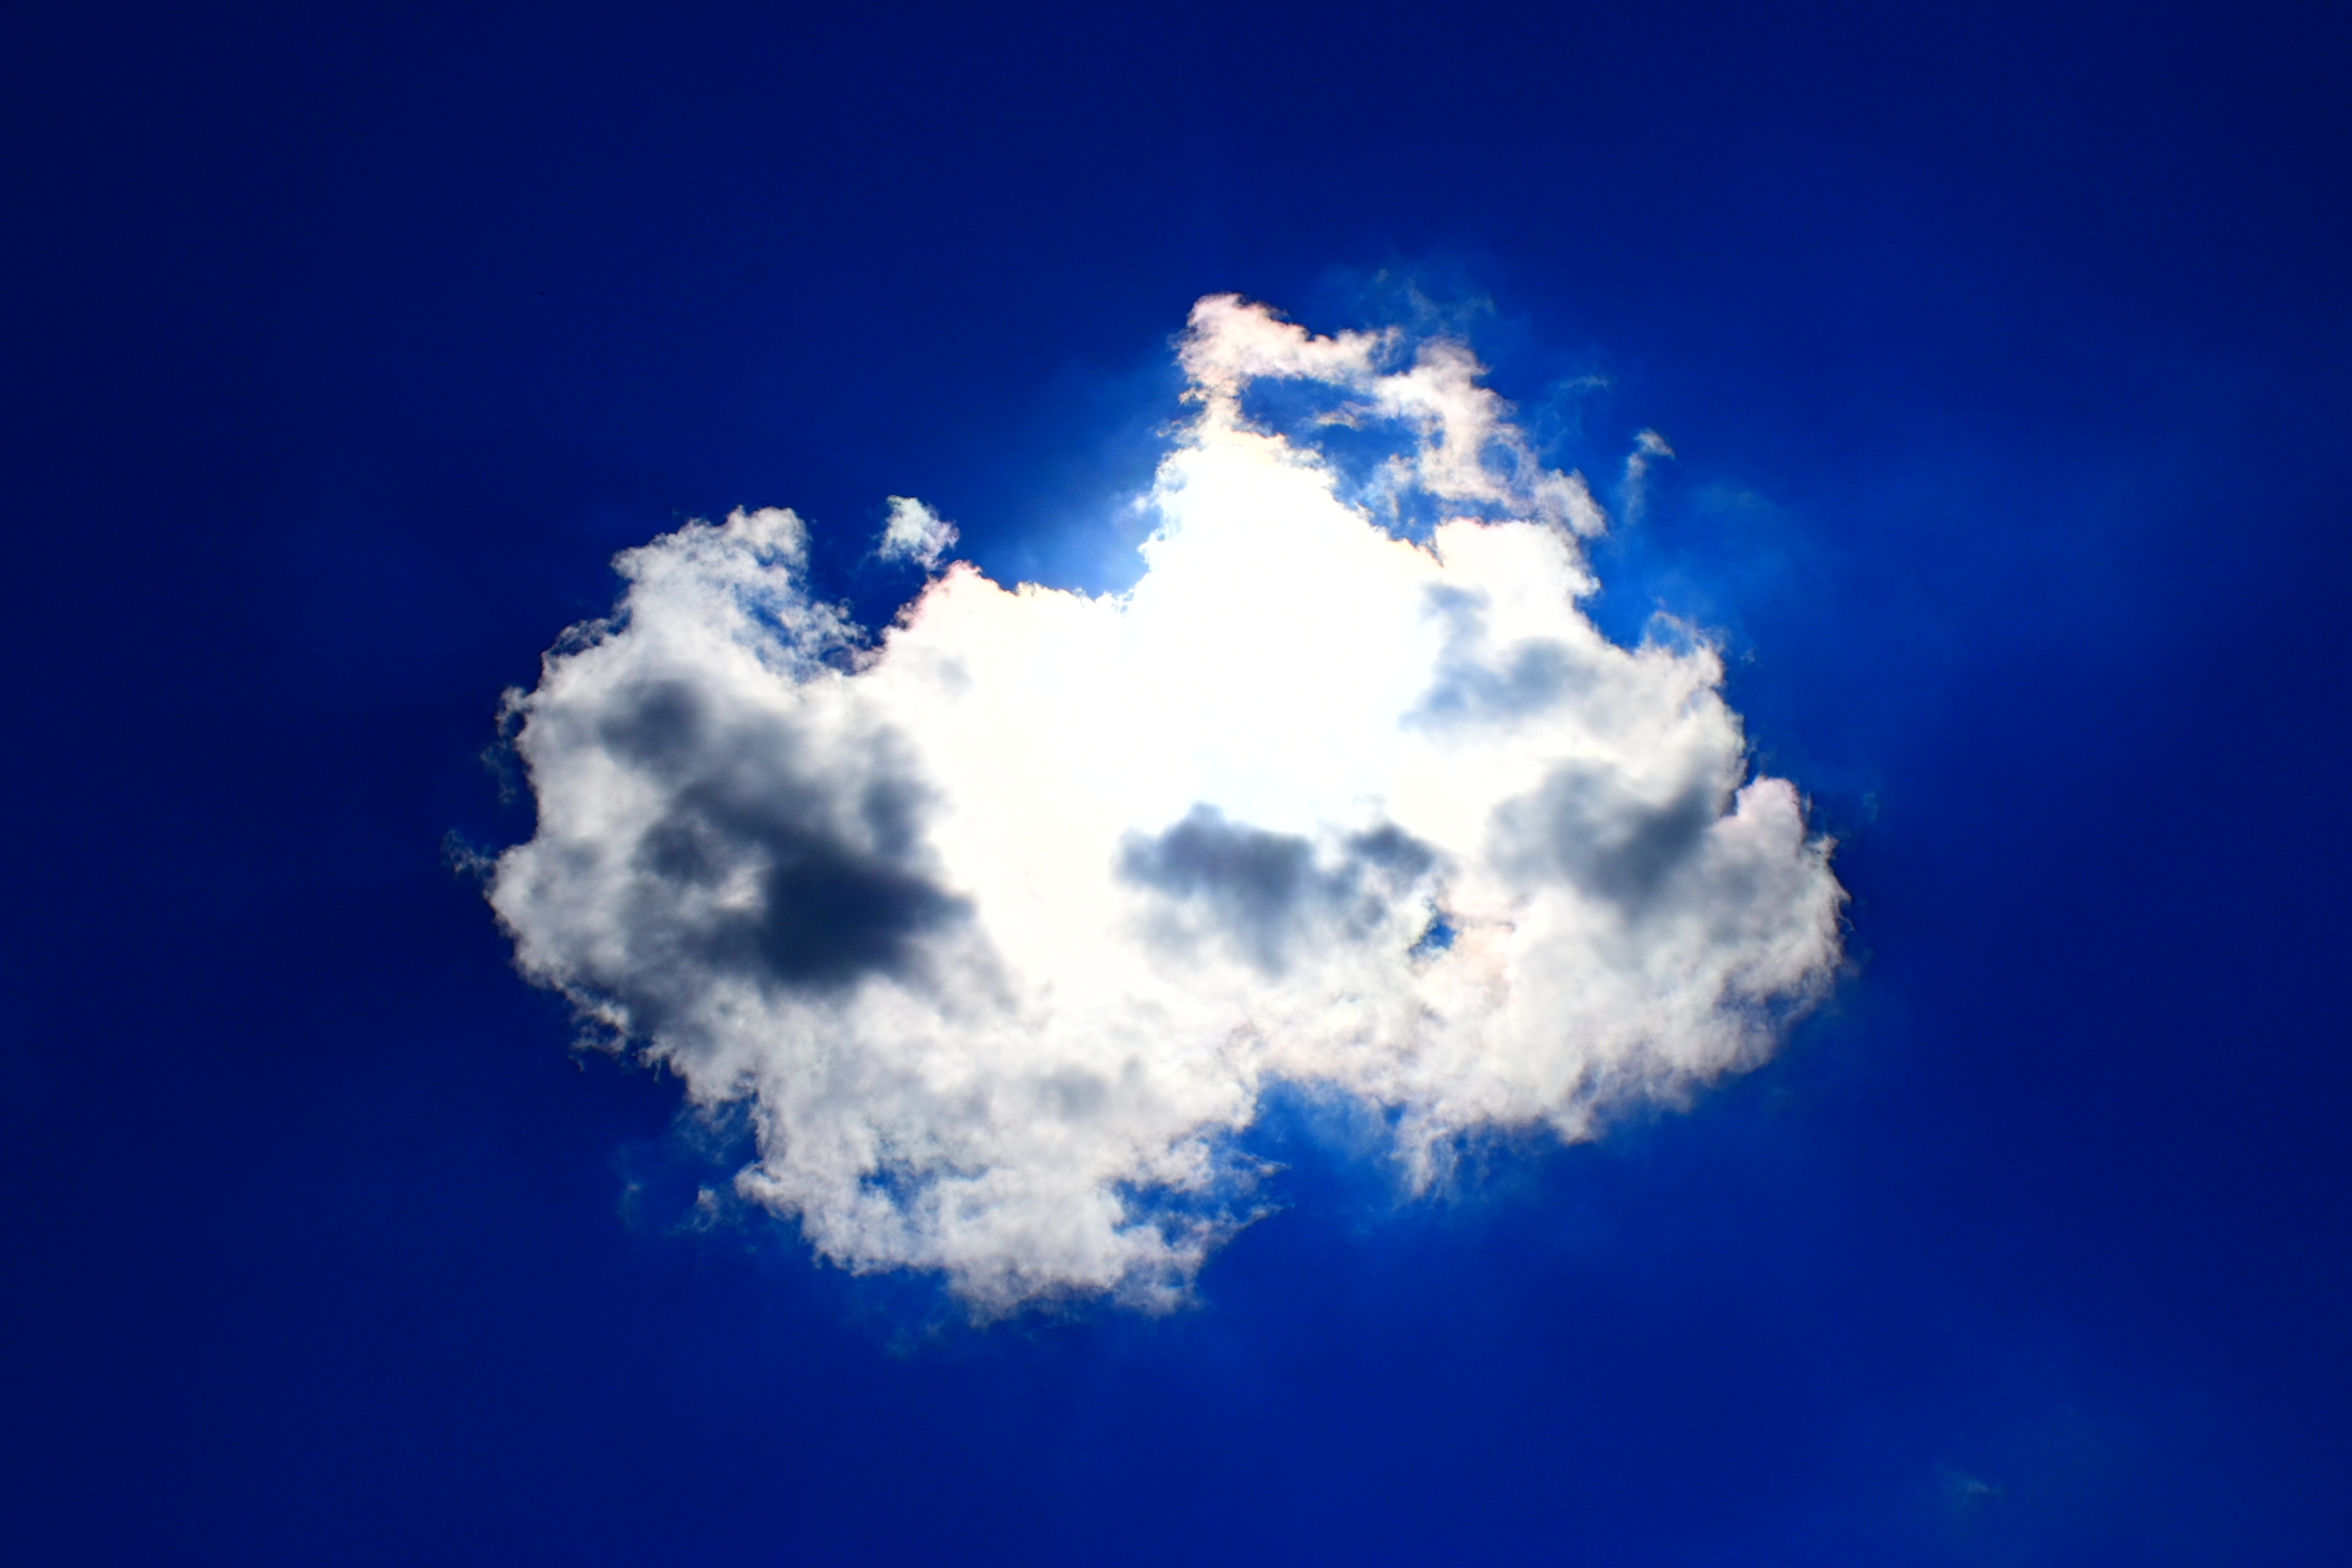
x: 1004, y: 925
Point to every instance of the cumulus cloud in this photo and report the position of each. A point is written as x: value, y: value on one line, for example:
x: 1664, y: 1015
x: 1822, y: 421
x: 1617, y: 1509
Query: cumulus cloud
x: 1004, y: 923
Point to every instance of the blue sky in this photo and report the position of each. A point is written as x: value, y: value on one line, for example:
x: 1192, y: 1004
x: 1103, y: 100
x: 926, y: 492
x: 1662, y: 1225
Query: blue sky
x: 2002, y: 358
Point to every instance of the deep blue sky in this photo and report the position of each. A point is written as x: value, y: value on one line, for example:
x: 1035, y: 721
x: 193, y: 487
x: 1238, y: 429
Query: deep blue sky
x: 2006, y: 356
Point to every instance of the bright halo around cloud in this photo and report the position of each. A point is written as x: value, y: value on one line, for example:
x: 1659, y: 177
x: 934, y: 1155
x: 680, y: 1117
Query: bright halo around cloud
x: 1003, y: 924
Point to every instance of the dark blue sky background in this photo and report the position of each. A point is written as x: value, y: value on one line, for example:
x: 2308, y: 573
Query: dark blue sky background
x: 2005, y: 351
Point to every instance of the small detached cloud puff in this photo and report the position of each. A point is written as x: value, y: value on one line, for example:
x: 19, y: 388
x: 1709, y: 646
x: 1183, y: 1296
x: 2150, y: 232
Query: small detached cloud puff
x: 1004, y: 925
x: 915, y: 532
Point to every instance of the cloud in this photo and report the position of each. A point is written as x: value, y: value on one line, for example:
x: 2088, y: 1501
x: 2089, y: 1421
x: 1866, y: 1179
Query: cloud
x: 1002, y: 924
x: 1649, y: 444
x: 915, y: 532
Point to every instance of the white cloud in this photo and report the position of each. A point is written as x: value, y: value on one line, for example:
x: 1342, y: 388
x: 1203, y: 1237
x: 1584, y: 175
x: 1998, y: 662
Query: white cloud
x: 1649, y: 444
x: 1003, y: 925
x: 915, y: 532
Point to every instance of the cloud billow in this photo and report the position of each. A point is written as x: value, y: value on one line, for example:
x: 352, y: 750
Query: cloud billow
x: 1004, y: 925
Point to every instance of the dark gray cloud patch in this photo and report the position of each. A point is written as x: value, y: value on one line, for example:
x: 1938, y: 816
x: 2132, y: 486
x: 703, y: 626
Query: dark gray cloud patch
x: 657, y: 727
x: 1390, y: 849
x: 1254, y: 885
x: 828, y: 912
x: 1581, y: 828
x: 762, y: 863
x: 1266, y: 892
x: 1474, y: 683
